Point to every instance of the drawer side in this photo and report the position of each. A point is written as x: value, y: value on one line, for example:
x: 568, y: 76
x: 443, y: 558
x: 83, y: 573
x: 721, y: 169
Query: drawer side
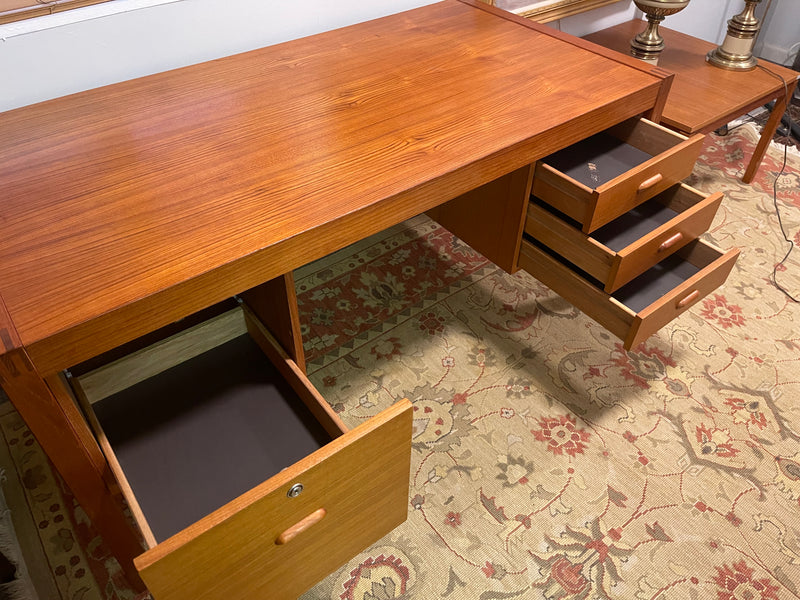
x: 576, y: 290
x: 570, y: 242
x: 562, y: 192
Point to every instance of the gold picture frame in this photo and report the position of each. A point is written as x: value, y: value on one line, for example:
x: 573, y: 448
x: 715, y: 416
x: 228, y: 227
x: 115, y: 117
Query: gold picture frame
x: 544, y: 11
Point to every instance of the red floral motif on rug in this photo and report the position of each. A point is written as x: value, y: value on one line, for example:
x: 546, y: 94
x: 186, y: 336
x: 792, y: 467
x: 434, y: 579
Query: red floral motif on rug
x: 738, y: 582
x: 387, y: 278
x: 561, y: 435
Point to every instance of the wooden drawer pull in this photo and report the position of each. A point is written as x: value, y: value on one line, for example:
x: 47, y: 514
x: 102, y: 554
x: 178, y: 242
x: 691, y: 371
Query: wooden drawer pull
x: 650, y: 182
x: 670, y: 242
x: 688, y: 299
x: 299, y: 527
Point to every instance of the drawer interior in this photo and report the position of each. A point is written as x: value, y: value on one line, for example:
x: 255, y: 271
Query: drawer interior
x: 197, y: 414
x: 626, y: 229
x: 597, y: 159
x: 641, y: 220
x: 657, y: 281
x: 634, y: 224
x: 201, y: 433
x: 651, y: 285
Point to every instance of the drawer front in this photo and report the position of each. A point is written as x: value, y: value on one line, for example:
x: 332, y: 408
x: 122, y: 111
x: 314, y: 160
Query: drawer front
x: 568, y: 241
x: 631, y: 326
x: 664, y: 241
x: 265, y: 544
x: 673, y: 158
x: 694, y: 214
x: 716, y: 266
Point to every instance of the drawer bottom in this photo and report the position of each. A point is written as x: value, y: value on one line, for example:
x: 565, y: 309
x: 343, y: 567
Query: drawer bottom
x: 198, y: 435
x: 640, y: 308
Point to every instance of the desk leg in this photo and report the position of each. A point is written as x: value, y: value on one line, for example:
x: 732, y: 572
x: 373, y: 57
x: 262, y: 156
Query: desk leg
x: 766, y: 135
x: 52, y: 416
x: 490, y: 218
x: 275, y: 305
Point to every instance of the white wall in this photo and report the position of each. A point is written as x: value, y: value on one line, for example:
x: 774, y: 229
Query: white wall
x: 68, y: 52
x: 705, y: 20
x: 49, y: 62
x: 708, y: 20
x: 600, y: 18
x: 779, y: 38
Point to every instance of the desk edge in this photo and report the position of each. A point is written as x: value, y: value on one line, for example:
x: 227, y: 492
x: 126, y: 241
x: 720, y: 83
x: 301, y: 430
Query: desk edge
x: 9, y: 338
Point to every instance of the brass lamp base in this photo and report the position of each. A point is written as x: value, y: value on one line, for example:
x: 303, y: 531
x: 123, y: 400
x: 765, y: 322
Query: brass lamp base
x: 647, y: 45
x: 736, y: 51
x: 733, y: 62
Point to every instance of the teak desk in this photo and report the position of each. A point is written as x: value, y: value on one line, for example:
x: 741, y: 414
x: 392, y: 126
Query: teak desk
x: 126, y: 208
x: 704, y: 97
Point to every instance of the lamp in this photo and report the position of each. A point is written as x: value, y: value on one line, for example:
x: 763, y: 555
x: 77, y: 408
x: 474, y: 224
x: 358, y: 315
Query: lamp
x: 736, y: 51
x: 647, y: 45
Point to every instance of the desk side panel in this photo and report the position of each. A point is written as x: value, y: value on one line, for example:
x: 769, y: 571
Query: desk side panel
x: 53, y: 417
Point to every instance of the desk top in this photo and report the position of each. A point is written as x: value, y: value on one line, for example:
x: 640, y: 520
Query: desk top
x: 127, y: 207
x: 703, y: 97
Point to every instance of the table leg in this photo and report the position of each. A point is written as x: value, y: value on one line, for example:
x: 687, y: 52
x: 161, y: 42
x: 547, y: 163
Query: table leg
x: 767, y: 134
x: 490, y: 218
x: 50, y: 413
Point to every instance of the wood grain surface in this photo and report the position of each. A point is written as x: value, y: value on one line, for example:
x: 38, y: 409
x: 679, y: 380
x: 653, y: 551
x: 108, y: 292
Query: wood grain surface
x: 129, y: 206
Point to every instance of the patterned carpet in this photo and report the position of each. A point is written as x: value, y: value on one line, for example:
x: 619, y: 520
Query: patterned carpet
x: 547, y: 462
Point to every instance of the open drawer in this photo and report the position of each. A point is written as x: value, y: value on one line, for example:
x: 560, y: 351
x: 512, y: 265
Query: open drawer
x: 242, y: 480
x: 604, y: 176
x: 643, y: 306
x: 629, y: 245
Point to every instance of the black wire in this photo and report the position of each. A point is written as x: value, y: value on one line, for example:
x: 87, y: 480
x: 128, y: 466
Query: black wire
x: 775, y: 189
x: 748, y: 118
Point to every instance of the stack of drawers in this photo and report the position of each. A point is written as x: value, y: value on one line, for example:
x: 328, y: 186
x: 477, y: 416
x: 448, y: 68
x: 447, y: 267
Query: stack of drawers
x: 611, y: 228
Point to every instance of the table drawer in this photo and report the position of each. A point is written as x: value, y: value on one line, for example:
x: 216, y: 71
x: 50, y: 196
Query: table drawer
x: 646, y: 304
x: 605, y: 175
x: 629, y: 245
x: 207, y: 453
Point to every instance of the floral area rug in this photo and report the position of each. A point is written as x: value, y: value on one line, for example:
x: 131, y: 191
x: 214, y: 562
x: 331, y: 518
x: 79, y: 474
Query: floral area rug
x: 547, y: 462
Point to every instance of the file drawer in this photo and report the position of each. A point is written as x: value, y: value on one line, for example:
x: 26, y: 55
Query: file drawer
x: 604, y: 176
x: 242, y: 480
x: 646, y: 304
x: 629, y: 245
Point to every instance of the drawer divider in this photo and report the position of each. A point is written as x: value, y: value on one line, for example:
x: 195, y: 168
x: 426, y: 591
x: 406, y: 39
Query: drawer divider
x: 294, y: 375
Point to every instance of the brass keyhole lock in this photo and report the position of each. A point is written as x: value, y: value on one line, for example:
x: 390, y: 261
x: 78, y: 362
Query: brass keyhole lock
x: 295, y: 490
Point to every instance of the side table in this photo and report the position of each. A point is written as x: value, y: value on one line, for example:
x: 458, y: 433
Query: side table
x: 703, y: 97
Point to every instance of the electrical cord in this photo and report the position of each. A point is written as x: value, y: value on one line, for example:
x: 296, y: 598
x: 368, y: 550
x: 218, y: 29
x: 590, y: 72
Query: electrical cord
x: 775, y: 188
x: 725, y: 129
